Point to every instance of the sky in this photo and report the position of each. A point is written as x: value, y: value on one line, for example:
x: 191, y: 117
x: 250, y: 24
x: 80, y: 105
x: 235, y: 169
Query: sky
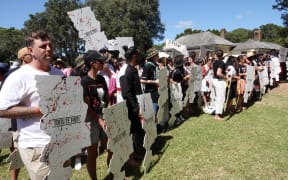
x: 176, y: 15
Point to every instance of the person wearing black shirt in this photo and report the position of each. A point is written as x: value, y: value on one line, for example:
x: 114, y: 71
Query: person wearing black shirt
x: 150, y: 77
x: 131, y: 87
x: 219, y: 84
x: 95, y: 94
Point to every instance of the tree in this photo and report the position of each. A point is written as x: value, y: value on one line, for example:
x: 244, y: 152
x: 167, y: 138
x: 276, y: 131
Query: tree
x: 282, y: 5
x: 270, y: 32
x: 36, y: 21
x: 187, y: 32
x: 56, y: 22
x: 11, y: 41
x: 239, y: 35
x: 214, y: 31
x: 283, y: 37
x: 139, y: 19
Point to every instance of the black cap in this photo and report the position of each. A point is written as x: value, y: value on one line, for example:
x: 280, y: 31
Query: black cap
x: 92, y: 56
x: 103, y: 50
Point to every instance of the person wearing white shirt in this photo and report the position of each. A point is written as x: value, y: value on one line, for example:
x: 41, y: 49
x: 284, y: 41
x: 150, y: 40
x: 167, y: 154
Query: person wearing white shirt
x: 20, y: 100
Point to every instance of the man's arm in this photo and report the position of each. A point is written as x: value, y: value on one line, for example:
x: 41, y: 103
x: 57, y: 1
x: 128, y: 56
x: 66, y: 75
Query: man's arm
x: 21, y: 112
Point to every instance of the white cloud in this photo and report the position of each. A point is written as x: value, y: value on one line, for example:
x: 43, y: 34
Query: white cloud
x: 245, y: 15
x: 184, y: 24
x: 239, y: 17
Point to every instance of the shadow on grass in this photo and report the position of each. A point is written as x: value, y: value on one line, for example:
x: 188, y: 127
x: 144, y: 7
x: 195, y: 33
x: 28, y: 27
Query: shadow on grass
x: 158, y: 148
x: 3, y: 159
x: 160, y: 144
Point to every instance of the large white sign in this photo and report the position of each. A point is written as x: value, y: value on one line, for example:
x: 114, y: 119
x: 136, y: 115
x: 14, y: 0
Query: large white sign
x: 119, y: 137
x: 84, y: 21
x: 124, y: 41
x: 249, y: 82
x: 118, y: 43
x: 170, y: 44
x: 5, y: 135
x: 163, y: 101
x: 283, y: 54
x: 64, y: 111
x: 149, y: 126
x: 95, y: 41
x: 263, y: 79
x: 88, y: 27
x: 194, y: 84
x: 176, y: 101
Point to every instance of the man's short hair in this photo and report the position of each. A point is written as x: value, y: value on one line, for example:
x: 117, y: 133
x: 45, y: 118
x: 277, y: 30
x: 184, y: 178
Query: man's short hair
x: 40, y: 34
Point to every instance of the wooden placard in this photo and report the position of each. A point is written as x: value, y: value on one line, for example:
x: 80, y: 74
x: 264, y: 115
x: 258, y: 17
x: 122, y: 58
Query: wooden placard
x: 61, y: 102
x: 249, y: 82
x: 176, y: 101
x: 84, y: 21
x: 119, y: 137
x: 148, y: 125
x: 5, y: 135
x: 163, y: 101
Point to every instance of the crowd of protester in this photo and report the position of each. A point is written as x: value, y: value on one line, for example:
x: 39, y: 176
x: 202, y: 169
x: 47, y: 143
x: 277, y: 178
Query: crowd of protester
x: 108, y: 79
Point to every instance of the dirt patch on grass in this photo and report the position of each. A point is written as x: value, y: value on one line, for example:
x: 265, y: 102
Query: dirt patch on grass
x: 282, y: 89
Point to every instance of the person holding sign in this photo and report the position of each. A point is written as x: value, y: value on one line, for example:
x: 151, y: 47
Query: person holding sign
x: 20, y: 99
x: 232, y: 76
x: 131, y: 87
x: 150, y: 76
x: 241, y: 83
x: 95, y: 94
x: 219, y: 84
x: 23, y: 55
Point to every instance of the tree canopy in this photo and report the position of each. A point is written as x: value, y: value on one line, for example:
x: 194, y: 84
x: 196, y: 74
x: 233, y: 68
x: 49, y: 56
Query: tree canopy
x: 11, y: 41
x: 282, y: 5
x: 187, y: 32
x: 139, y: 19
x: 55, y: 21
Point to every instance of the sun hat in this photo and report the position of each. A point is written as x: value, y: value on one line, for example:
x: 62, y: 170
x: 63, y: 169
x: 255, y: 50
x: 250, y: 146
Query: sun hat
x: 78, y: 62
x: 151, y: 53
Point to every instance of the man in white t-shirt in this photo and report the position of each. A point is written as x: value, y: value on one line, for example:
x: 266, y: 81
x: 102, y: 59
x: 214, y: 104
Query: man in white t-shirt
x: 20, y: 99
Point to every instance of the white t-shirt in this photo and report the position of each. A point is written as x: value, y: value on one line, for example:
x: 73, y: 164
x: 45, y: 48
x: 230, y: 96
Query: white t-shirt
x: 20, y: 89
x: 277, y: 67
x: 122, y: 71
x: 230, y: 71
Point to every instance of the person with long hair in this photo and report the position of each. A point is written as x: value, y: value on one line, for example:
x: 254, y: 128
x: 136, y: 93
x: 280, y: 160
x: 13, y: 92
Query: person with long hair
x: 130, y: 88
x: 219, y: 84
x: 95, y: 93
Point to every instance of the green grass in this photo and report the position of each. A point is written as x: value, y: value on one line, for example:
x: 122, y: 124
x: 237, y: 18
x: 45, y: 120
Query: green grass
x: 249, y: 145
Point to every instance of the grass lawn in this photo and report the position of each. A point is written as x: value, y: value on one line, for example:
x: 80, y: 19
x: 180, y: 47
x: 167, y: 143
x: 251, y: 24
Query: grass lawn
x: 249, y: 145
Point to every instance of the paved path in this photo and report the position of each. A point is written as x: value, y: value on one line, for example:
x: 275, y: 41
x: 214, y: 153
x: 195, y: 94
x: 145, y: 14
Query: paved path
x: 282, y: 89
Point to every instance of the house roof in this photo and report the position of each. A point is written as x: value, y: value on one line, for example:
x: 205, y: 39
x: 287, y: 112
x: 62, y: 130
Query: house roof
x: 207, y: 39
x: 256, y: 45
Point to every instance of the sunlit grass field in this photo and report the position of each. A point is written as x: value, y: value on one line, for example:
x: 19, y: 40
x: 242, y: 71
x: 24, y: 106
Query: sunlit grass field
x: 249, y: 145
